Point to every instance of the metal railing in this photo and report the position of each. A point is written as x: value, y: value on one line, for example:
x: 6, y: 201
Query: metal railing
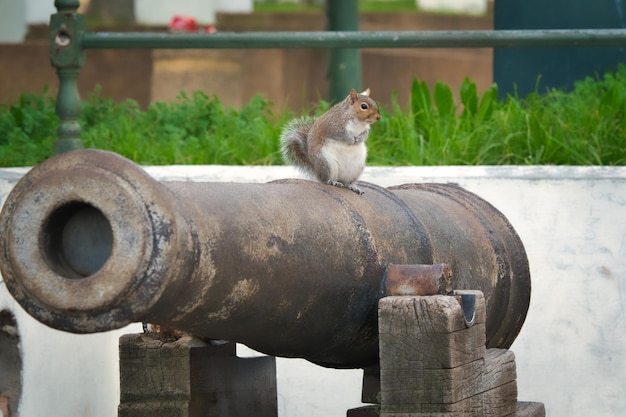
x: 69, y: 40
x: 403, y: 39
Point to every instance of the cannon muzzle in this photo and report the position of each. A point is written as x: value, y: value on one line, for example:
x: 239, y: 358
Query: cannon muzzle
x: 90, y: 242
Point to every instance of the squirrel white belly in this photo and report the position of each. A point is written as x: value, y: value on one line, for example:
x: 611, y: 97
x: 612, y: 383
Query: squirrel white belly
x: 332, y: 147
x: 345, y: 162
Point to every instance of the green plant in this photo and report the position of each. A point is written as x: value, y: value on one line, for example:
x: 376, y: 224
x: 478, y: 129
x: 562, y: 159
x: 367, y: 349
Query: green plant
x: 27, y: 130
x: 585, y: 126
x: 196, y: 129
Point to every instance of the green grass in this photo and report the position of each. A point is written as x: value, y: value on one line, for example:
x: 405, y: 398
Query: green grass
x: 387, y: 6
x: 195, y: 129
x: 586, y: 126
x: 286, y: 7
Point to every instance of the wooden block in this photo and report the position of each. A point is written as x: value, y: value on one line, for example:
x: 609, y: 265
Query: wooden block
x: 499, y: 401
x: 365, y: 411
x: 483, y: 387
x: 370, y: 391
x: 449, y: 386
x: 189, y: 378
x: 496, y: 369
x: 499, y: 368
x: 529, y: 409
x: 425, y: 324
x: 232, y: 387
x: 149, y: 367
x: 154, y: 409
x: 422, y: 415
x: 433, y: 363
x: 454, y: 349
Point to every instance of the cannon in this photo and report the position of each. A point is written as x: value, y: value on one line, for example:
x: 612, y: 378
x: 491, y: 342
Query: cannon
x: 89, y: 242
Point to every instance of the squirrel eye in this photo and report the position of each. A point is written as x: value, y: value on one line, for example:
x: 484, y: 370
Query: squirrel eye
x: 364, y: 106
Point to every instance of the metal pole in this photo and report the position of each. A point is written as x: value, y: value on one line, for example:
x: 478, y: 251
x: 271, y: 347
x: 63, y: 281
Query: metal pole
x: 344, y: 64
x: 384, y: 39
x: 67, y: 56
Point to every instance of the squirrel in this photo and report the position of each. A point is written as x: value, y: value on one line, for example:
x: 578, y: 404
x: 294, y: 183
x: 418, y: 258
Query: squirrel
x: 332, y: 147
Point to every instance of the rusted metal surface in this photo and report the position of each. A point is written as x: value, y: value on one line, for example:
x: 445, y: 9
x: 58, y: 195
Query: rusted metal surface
x: 418, y: 279
x: 492, y: 259
x: 4, y: 406
x: 290, y: 268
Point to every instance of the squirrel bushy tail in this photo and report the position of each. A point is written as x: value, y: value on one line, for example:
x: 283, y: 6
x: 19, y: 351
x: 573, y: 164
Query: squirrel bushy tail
x: 293, y: 142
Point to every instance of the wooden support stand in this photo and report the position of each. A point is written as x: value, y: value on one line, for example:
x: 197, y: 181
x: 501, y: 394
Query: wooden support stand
x: 190, y: 378
x: 433, y: 362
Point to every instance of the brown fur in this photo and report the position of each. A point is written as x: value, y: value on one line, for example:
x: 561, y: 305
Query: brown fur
x: 303, y: 139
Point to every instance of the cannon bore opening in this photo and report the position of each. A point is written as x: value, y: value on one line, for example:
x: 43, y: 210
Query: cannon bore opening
x: 77, y: 240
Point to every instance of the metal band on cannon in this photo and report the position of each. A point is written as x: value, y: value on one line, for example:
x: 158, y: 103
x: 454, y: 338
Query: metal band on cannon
x: 90, y: 242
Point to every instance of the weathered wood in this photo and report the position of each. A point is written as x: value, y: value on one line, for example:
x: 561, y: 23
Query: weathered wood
x: 233, y: 387
x: 190, y: 378
x: 365, y: 411
x: 529, y: 409
x: 499, y: 368
x: 156, y: 408
x: 370, y: 391
x: 151, y: 369
x: 432, y: 362
x: 524, y: 409
x: 428, y: 322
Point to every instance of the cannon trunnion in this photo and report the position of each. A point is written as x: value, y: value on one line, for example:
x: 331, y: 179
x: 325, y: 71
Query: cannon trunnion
x: 90, y: 242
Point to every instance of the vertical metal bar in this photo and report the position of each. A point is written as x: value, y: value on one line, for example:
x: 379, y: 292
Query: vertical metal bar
x: 344, y: 64
x: 67, y: 56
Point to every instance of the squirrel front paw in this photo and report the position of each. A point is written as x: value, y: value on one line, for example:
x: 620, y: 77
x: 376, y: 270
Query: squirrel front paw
x: 350, y: 187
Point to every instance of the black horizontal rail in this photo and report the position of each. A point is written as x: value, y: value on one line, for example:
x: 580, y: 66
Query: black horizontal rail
x: 385, y: 39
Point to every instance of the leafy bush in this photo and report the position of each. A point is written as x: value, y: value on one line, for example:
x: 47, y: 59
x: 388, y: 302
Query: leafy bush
x: 27, y: 130
x: 586, y: 126
x: 583, y: 127
x: 192, y: 130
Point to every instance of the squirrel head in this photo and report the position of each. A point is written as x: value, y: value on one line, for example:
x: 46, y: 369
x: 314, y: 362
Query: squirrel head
x: 364, y: 107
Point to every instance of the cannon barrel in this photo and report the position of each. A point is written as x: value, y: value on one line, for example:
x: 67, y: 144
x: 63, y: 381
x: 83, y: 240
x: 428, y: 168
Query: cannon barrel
x: 90, y: 242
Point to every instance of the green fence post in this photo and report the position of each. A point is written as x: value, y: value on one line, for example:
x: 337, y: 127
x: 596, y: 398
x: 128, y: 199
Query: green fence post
x: 67, y: 56
x: 344, y: 64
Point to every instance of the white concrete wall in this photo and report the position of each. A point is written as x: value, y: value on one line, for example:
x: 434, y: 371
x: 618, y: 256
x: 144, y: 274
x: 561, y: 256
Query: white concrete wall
x: 234, y: 6
x: 457, y: 6
x: 39, y: 11
x: 570, y: 353
x: 160, y: 12
x: 12, y: 21
x: 16, y: 15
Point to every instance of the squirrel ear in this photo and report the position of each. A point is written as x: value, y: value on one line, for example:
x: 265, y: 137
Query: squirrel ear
x: 353, y: 96
x: 366, y: 92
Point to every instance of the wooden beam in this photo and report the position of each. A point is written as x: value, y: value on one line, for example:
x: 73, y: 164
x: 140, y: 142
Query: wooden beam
x: 433, y: 362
